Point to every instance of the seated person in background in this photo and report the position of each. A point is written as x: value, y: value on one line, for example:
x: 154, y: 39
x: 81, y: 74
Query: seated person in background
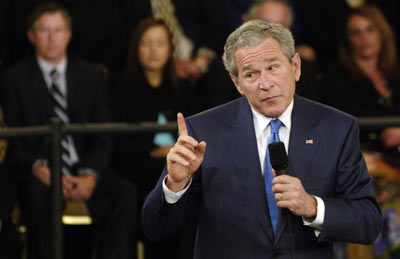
x: 198, y: 28
x: 52, y: 84
x: 148, y: 91
x: 278, y: 11
x: 365, y: 81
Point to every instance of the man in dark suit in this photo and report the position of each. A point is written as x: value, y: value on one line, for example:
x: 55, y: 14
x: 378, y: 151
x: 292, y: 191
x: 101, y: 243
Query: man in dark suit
x: 214, y: 173
x: 54, y: 85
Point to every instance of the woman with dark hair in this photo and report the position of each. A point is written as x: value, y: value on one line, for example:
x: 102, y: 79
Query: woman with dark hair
x: 148, y: 91
x: 366, y: 80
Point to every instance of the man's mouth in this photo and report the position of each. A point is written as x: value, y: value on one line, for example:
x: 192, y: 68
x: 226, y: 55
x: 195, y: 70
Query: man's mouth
x: 269, y: 98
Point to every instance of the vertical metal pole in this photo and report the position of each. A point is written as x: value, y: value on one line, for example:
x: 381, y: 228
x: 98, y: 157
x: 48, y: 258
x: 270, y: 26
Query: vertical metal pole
x: 56, y: 188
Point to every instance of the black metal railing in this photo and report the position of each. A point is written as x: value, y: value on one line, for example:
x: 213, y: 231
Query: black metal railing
x: 56, y: 130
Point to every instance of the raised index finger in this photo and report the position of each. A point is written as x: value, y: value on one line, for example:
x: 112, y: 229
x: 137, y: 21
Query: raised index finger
x: 181, y: 125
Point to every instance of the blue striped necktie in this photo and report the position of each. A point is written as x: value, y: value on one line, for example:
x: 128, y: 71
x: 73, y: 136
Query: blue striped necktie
x: 268, y: 176
x: 60, y: 107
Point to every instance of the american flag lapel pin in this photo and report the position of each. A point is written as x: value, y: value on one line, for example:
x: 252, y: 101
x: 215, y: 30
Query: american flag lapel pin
x: 309, y: 141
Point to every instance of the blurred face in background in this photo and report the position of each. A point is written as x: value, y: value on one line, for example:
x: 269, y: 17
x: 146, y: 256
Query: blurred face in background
x: 50, y: 36
x: 364, y: 37
x: 273, y: 13
x: 154, y: 48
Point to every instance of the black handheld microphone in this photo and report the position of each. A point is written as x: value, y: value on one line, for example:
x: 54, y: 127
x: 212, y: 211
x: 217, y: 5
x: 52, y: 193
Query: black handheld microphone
x: 279, y: 161
x: 278, y: 157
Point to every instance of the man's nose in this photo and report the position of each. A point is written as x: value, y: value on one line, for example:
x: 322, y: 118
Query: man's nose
x: 265, y: 81
x: 52, y: 34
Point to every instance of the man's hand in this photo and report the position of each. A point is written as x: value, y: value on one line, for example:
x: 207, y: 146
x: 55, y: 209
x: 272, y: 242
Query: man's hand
x: 184, y: 158
x: 79, y: 188
x: 187, y: 69
x: 290, y: 194
x: 42, y: 172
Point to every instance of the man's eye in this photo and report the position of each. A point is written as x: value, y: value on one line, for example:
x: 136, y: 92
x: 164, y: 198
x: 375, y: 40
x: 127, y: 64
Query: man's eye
x: 250, y: 75
x: 273, y: 67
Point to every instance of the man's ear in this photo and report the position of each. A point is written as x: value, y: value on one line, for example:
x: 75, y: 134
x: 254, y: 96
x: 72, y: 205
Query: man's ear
x: 235, y: 80
x: 69, y: 35
x: 296, y: 61
x: 30, y: 35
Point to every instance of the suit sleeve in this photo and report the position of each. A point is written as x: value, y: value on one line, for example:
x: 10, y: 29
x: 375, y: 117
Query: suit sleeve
x: 353, y: 214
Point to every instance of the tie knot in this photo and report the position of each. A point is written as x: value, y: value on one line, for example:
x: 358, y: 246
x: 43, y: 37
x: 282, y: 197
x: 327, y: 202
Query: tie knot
x: 275, y: 125
x: 54, y: 75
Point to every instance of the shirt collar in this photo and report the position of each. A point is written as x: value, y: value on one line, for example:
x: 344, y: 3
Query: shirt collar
x: 262, y: 121
x: 46, y: 67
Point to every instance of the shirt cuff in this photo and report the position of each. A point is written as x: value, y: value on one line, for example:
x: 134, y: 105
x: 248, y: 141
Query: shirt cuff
x: 319, y: 219
x: 88, y: 171
x: 170, y: 196
x: 40, y: 161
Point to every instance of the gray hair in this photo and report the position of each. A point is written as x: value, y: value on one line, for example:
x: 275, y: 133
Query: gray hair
x: 253, y: 33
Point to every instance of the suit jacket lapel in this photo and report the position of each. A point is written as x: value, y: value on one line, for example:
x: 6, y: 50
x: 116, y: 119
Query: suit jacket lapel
x: 302, y: 147
x: 78, y: 94
x: 72, y: 84
x: 41, y: 92
x: 241, y: 145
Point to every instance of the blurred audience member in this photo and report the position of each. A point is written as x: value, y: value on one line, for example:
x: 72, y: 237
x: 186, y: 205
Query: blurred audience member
x: 100, y: 31
x: 278, y: 11
x: 366, y: 81
x: 52, y: 84
x: 198, y: 30
x: 147, y: 92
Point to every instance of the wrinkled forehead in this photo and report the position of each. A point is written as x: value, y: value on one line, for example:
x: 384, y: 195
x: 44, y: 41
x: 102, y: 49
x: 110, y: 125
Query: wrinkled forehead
x: 269, y: 50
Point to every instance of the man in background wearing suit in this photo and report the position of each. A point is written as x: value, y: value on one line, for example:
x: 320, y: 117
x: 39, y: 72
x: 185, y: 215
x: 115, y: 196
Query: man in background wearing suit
x: 214, y: 173
x: 53, y: 84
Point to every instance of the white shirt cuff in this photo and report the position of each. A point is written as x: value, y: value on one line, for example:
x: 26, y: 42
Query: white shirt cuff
x: 170, y: 196
x: 40, y: 161
x: 319, y: 219
x: 87, y: 171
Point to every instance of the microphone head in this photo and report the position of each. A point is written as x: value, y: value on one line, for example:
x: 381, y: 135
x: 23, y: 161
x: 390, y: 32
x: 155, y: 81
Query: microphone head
x: 278, y: 156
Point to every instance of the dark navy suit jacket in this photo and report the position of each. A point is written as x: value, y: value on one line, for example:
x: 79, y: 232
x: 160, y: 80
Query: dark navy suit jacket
x: 227, y: 198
